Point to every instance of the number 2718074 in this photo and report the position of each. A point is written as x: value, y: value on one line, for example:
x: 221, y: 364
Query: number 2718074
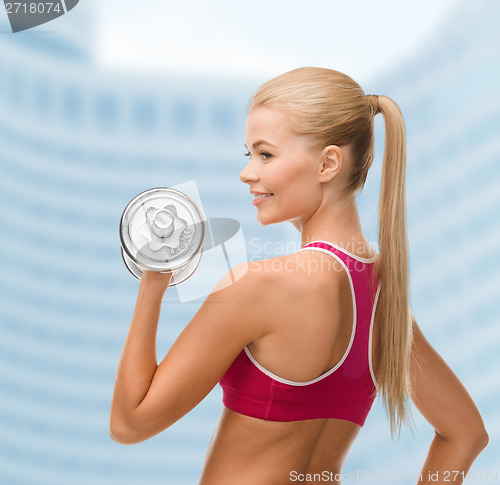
x: 33, y: 7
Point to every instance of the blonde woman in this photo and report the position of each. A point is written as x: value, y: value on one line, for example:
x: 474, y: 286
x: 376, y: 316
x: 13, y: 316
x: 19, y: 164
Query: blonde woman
x: 302, y: 344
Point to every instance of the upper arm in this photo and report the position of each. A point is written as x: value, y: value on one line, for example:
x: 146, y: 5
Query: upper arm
x: 439, y: 394
x: 226, y: 322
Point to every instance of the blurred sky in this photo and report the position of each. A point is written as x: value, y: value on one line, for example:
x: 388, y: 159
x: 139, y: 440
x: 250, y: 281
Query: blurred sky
x: 362, y: 38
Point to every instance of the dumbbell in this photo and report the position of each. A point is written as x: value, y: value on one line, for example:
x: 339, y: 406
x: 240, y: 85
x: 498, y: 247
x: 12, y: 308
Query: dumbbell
x: 162, y: 230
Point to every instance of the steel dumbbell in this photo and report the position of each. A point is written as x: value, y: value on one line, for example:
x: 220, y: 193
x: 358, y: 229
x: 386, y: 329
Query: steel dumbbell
x: 162, y: 230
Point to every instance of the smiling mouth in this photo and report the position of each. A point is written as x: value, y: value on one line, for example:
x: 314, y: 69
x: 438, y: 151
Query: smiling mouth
x: 261, y: 196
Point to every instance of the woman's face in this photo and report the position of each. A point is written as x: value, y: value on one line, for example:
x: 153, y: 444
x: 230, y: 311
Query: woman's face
x: 283, y: 169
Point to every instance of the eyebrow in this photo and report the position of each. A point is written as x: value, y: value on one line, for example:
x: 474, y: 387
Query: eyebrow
x: 260, y: 142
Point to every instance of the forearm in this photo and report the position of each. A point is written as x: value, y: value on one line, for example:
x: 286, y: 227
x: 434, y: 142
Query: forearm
x: 449, y: 460
x: 138, y: 360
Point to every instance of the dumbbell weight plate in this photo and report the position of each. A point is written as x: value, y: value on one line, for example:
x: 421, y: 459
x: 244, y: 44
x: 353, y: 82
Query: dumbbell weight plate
x: 162, y: 230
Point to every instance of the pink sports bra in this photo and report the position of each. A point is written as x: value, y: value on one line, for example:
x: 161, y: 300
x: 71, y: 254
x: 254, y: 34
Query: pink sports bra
x: 346, y: 391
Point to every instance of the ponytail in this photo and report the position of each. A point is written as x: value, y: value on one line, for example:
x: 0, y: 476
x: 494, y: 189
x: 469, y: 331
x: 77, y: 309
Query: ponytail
x: 392, y: 316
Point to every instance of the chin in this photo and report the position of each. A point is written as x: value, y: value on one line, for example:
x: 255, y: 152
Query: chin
x: 264, y: 222
x: 267, y: 220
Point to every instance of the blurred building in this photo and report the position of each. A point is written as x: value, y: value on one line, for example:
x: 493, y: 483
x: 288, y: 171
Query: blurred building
x: 450, y: 98
x: 77, y: 143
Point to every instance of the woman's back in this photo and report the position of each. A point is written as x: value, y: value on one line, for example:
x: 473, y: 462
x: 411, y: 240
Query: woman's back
x: 318, y: 326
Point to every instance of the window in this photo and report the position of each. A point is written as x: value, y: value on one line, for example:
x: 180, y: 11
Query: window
x: 222, y: 119
x: 183, y: 116
x: 42, y: 97
x: 144, y: 114
x: 72, y: 104
x: 107, y: 110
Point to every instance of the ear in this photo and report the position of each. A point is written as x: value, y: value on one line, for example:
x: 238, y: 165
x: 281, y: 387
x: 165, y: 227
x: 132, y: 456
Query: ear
x: 331, y: 163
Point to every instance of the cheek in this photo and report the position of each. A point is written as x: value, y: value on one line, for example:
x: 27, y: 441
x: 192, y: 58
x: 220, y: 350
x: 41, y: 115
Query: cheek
x: 297, y: 188
x: 286, y: 175
x: 300, y: 179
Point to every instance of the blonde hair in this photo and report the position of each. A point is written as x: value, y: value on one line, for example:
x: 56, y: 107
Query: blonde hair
x: 333, y: 109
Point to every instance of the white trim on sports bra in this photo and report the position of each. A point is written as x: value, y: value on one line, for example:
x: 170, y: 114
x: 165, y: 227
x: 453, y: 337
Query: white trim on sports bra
x: 370, y: 339
x: 346, y: 353
x: 359, y: 258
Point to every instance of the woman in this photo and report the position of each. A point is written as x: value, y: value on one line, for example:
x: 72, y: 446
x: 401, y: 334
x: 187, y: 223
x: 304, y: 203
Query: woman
x: 302, y: 343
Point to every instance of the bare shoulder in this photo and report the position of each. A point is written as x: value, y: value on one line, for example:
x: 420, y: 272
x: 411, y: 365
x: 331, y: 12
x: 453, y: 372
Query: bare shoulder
x: 247, y: 277
x: 308, y: 269
x: 287, y: 274
x: 268, y: 283
x: 247, y: 288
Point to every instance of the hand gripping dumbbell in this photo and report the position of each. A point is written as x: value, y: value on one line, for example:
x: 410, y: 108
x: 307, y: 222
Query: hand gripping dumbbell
x: 162, y: 230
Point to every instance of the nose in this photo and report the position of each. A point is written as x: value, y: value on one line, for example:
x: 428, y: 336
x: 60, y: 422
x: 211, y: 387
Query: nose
x: 249, y: 175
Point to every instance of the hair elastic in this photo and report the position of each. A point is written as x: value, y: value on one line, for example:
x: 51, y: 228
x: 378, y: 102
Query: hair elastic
x: 373, y: 102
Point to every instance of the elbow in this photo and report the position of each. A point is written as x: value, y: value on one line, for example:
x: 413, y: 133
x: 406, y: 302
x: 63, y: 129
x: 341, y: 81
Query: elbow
x: 131, y: 429
x: 120, y: 437
x: 472, y: 437
x: 481, y: 439
x: 477, y: 436
x: 122, y: 432
x: 477, y: 440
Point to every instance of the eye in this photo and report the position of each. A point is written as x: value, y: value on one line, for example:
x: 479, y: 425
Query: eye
x: 265, y: 155
x: 247, y: 154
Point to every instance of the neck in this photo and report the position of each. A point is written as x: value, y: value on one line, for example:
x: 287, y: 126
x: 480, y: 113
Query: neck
x: 336, y: 221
